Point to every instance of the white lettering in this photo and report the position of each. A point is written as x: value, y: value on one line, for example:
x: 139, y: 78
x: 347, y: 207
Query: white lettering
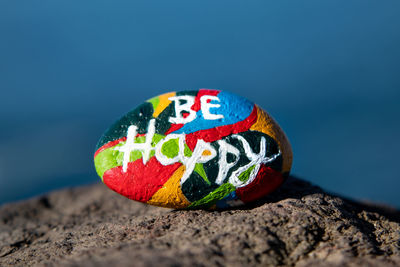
x: 197, y: 157
x: 203, y: 151
x: 255, y: 159
x: 130, y: 144
x: 205, y: 107
x: 179, y: 107
x: 189, y: 162
x: 224, y: 166
x: 163, y: 159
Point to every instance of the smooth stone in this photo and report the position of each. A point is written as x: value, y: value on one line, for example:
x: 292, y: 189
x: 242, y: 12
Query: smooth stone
x: 194, y: 149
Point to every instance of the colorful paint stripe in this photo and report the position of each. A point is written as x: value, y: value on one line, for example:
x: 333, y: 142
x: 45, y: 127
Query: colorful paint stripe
x: 217, y: 133
x: 161, y: 102
x: 140, y: 182
x: 266, y: 124
x: 170, y: 195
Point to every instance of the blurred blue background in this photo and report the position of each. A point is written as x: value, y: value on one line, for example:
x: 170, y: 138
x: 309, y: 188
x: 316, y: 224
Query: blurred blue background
x: 328, y: 71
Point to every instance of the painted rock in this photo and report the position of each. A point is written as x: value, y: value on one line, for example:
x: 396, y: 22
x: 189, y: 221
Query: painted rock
x: 194, y: 149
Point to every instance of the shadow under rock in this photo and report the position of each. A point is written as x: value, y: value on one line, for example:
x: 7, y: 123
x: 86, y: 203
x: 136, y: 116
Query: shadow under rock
x: 298, y: 188
x: 293, y: 187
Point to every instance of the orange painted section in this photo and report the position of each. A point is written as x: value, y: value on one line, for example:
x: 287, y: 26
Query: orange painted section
x: 266, y: 124
x: 171, y: 195
x: 163, y: 104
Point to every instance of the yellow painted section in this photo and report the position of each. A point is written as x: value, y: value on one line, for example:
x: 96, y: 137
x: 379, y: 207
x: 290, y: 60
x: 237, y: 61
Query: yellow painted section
x: 170, y: 195
x: 266, y: 124
x: 206, y: 153
x: 163, y: 104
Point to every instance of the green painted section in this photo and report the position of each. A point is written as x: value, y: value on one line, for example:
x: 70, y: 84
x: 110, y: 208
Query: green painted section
x: 200, y: 170
x: 244, y: 176
x: 187, y: 152
x: 171, y: 148
x: 107, y: 159
x: 154, y: 101
x: 214, y: 196
x: 111, y: 158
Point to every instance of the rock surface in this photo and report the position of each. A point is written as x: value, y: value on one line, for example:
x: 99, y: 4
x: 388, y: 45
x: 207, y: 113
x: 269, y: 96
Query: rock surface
x: 298, y: 225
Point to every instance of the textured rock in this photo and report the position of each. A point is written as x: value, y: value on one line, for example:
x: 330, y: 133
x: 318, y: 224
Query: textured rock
x: 194, y: 149
x: 298, y: 225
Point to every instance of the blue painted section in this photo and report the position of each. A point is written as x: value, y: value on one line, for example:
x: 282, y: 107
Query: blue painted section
x: 233, y: 107
x: 223, y: 203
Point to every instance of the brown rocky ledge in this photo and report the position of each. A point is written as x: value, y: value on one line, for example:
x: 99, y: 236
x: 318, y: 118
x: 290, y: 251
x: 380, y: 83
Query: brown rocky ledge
x: 299, y: 225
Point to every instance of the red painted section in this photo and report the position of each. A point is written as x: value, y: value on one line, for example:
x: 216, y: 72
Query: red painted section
x: 266, y: 181
x: 109, y: 144
x: 173, y: 128
x: 197, y: 106
x: 140, y: 182
x: 113, y: 143
x: 217, y: 133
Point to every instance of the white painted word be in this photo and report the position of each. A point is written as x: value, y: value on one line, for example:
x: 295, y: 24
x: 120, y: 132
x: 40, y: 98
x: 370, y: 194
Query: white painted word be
x: 188, y: 102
